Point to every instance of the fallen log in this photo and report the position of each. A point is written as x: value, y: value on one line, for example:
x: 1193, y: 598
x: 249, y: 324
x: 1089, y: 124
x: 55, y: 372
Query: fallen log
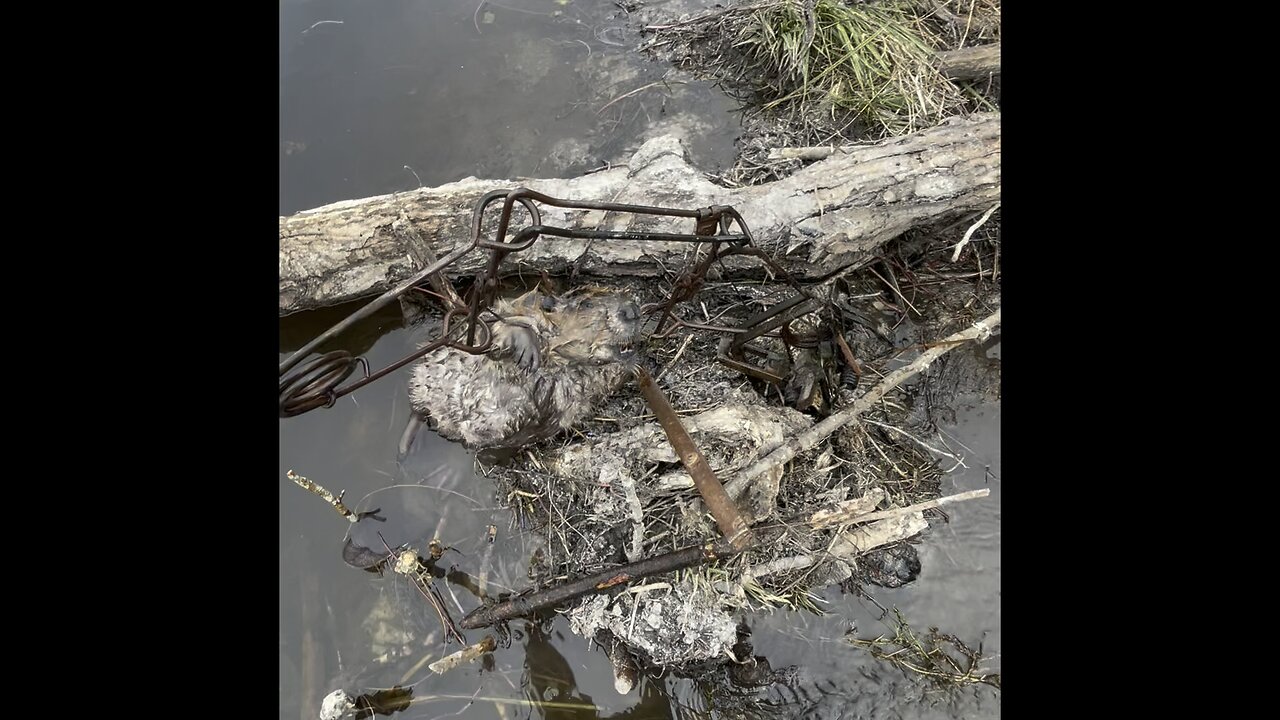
x: 972, y: 63
x: 826, y: 217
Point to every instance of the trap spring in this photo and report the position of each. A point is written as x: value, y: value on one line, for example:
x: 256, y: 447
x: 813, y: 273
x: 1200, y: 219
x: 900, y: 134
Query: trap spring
x: 467, y: 325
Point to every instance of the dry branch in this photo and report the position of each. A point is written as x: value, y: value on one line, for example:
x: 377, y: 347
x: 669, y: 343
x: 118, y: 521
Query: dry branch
x: 876, y: 529
x: 852, y: 516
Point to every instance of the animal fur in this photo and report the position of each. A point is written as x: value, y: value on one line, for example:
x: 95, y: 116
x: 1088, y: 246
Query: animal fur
x: 551, y: 361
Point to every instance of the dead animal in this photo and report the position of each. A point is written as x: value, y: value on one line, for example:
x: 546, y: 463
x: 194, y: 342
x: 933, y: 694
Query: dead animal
x: 552, y: 360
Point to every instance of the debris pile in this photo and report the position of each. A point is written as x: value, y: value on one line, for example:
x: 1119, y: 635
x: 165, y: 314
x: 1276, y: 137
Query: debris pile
x: 613, y: 490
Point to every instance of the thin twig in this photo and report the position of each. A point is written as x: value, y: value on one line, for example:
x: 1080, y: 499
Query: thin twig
x: 687, y: 339
x: 642, y: 88
x: 466, y: 654
x: 318, y: 489
x: 920, y: 442
x: 969, y: 233
x: 409, y: 565
x: 894, y: 287
x: 322, y: 22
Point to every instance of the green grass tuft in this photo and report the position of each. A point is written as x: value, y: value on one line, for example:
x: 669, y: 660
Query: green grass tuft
x: 873, y: 61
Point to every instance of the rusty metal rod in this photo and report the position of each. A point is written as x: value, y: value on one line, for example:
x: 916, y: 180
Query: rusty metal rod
x: 487, y: 615
x: 847, y: 353
x: 732, y: 525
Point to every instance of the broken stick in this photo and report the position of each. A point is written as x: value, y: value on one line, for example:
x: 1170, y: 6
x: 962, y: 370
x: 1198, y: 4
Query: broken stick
x: 838, y: 518
x: 487, y: 615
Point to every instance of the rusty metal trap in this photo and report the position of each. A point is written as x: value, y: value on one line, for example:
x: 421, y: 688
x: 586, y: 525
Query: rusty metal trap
x: 305, y: 386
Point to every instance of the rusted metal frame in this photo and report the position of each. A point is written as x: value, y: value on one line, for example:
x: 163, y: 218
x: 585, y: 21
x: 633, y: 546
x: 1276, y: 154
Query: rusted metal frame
x: 316, y: 384
x: 732, y: 351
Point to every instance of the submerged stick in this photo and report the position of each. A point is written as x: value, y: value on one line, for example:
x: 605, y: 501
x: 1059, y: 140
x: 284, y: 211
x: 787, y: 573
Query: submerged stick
x: 487, y: 615
x: 722, y: 507
x: 774, y: 461
x: 466, y: 654
x: 625, y: 671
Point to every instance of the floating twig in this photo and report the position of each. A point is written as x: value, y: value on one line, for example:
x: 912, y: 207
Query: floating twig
x: 640, y: 89
x: 318, y: 489
x: 322, y: 22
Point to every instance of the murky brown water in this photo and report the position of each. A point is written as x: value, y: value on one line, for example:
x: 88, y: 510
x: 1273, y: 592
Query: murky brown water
x: 414, y: 83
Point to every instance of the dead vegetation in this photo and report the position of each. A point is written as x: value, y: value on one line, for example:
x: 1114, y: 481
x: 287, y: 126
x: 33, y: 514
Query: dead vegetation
x: 613, y: 491
x: 943, y: 659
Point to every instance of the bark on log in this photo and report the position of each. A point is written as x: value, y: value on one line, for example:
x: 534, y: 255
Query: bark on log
x: 973, y: 63
x: 827, y: 216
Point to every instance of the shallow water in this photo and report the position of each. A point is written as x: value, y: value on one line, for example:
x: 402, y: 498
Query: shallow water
x: 414, y: 83
x: 406, y: 93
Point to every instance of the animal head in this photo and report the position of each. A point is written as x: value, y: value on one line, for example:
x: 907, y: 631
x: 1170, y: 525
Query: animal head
x: 589, y: 327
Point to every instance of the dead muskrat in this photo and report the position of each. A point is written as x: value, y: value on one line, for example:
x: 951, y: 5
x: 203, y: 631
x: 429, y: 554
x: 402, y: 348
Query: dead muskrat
x: 551, y: 361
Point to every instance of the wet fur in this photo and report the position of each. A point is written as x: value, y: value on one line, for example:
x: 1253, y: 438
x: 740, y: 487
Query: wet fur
x: 552, y: 360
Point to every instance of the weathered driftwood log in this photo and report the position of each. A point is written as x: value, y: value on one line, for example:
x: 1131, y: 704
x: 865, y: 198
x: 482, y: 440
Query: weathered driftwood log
x: 827, y: 216
x: 971, y: 63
